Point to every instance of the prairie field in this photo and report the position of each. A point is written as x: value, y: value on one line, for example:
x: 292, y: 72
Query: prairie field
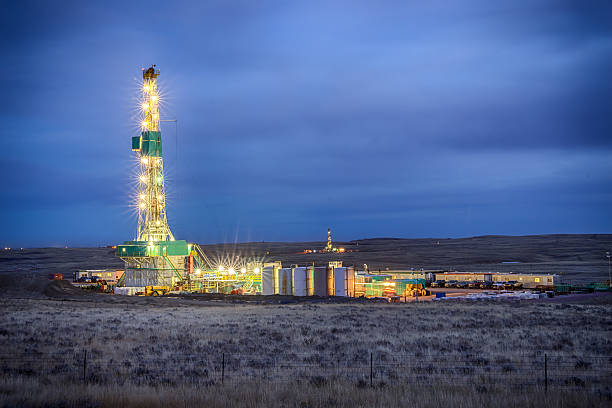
x: 177, y: 352
x: 64, y: 347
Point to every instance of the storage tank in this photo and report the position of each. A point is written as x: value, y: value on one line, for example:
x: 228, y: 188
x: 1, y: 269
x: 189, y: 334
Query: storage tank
x: 301, y: 281
x: 344, y: 281
x: 269, y: 280
x: 320, y: 281
x: 330, y: 281
x: 285, y: 281
x: 310, y: 281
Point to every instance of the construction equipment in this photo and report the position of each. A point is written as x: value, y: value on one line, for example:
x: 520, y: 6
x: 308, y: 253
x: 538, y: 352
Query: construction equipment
x: 410, y: 287
x: 156, y: 290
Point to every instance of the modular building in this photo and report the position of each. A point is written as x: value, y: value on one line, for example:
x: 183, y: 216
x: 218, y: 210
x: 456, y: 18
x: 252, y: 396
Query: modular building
x: 427, y: 275
x: 159, y: 263
x: 528, y: 280
x: 109, y: 275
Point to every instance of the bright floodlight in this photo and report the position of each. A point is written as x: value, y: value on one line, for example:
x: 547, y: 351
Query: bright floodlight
x: 231, y: 270
x: 221, y: 268
x: 243, y: 270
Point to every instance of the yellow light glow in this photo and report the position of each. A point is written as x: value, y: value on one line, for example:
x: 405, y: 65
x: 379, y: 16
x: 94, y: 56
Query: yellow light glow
x: 142, y: 205
x: 144, y: 123
x: 198, y: 271
x: 147, y: 88
x: 145, y: 106
x: 231, y: 270
x: 160, y: 197
x: 243, y: 270
x: 157, y: 222
x: 142, y: 179
x: 154, y: 98
x: 256, y: 270
x: 144, y: 160
x: 142, y: 196
x: 221, y: 268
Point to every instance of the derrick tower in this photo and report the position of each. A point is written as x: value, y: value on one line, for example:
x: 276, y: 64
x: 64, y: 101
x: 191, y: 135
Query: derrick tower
x: 152, y: 221
x: 154, y: 257
x: 329, y: 247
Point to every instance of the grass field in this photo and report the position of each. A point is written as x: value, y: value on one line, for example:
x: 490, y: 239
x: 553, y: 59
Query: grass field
x: 169, y: 352
x: 62, y: 347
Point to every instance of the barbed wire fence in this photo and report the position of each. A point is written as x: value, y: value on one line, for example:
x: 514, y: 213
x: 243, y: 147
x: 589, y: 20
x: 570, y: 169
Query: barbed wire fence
x: 368, y: 370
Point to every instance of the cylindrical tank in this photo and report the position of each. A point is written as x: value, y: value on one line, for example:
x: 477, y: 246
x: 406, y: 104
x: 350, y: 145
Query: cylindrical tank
x: 268, y: 284
x: 330, y: 281
x: 300, y: 280
x: 285, y: 284
x: 344, y: 281
x: 310, y: 281
x: 320, y: 281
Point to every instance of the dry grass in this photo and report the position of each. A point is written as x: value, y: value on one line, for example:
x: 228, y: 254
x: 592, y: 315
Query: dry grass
x: 300, y: 395
x: 161, y: 354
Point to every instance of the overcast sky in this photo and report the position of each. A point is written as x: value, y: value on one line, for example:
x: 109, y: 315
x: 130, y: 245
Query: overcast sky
x: 374, y: 118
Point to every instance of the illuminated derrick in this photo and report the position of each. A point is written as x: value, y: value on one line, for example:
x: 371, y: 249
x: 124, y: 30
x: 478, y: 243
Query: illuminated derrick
x: 152, y: 221
x: 155, y: 258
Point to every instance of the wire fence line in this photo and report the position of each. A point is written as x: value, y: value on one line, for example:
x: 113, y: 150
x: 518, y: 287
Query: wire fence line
x: 373, y: 369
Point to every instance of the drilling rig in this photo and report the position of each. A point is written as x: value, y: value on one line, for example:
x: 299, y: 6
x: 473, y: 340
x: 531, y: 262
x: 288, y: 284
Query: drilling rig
x: 155, y: 261
x: 154, y: 257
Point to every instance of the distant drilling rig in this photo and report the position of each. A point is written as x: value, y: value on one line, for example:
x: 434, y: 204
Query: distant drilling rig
x: 155, y: 262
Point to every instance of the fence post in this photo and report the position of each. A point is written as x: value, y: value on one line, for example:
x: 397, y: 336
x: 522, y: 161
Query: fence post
x: 371, y: 370
x: 84, y: 364
x: 222, y: 368
x: 545, y: 372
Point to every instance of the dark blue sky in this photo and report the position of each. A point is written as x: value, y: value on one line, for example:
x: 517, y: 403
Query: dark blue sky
x: 376, y: 118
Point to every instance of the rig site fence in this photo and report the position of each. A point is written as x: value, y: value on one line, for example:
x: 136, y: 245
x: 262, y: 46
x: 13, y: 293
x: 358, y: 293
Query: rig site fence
x: 593, y: 373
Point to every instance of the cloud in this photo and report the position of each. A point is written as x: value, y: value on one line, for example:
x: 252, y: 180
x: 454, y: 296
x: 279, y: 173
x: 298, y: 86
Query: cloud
x: 386, y: 118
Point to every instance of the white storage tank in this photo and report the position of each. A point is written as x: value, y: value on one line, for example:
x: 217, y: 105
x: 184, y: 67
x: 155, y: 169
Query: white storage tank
x: 269, y: 280
x: 344, y: 281
x: 302, y: 281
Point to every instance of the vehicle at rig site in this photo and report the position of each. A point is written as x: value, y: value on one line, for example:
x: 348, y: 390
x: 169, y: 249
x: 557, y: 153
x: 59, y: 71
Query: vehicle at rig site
x: 438, y: 284
x: 513, y: 285
x: 156, y: 290
x: 474, y: 285
x: 486, y: 285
